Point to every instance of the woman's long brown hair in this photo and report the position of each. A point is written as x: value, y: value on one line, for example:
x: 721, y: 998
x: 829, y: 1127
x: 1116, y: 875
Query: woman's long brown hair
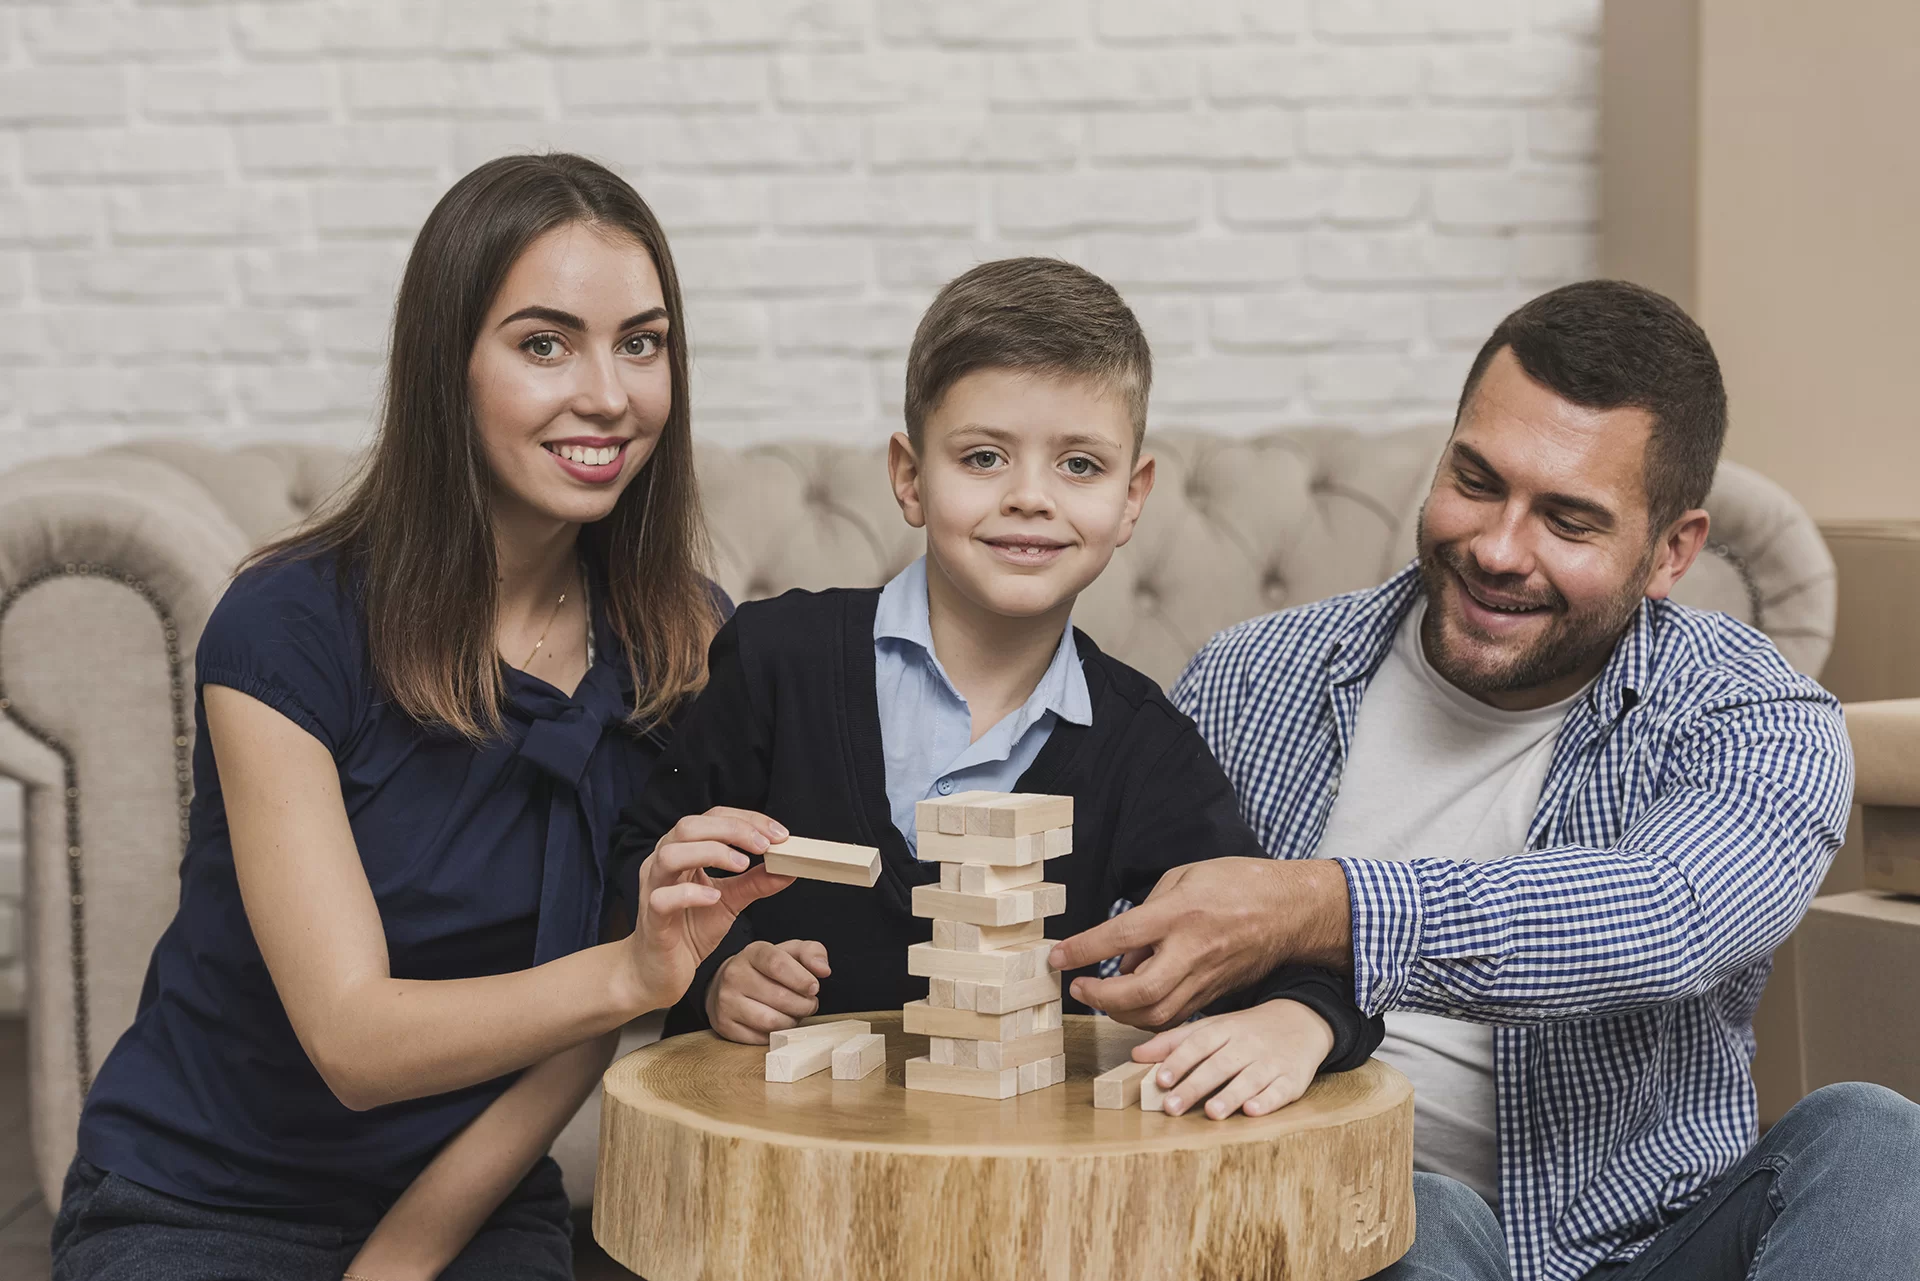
x: 414, y: 529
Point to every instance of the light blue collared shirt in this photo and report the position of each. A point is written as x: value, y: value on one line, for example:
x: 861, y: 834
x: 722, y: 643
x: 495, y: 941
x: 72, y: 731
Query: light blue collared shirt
x: 925, y: 724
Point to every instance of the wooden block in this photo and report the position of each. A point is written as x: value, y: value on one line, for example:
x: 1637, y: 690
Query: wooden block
x: 1029, y: 1078
x: 1059, y: 842
x: 1151, y: 1095
x: 959, y: 1051
x: 1010, y: 965
x: 1018, y: 814
x: 801, y: 1059
x: 1003, y: 998
x: 1120, y: 1088
x: 948, y: 813
x: 983, y: 878
x: 835, y: 1032
x: 1011, y: 851
x: 853, y: 1059
x: 1023, y: 1023
x: 989, y: 938
x: 923, y: 1018
x: 1059, y: 1066
x: 925, y: 1074
x: 1047, y: 1016
x: 1026, y: 1049
x: 1008, y: 907
x: 966, y: 994
x: 825, y: 861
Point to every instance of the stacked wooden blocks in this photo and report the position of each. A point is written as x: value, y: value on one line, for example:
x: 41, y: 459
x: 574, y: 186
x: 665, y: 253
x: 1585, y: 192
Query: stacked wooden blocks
x: 992, y: 1011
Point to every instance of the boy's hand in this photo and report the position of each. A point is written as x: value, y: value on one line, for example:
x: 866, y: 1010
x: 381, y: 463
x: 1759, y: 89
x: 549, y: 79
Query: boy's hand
x: 1260, y: 1059
x: 684, y: 913
x: 766, y: 988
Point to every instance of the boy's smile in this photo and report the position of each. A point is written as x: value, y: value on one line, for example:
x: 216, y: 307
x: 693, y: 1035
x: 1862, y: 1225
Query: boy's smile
x: 1025, y: 483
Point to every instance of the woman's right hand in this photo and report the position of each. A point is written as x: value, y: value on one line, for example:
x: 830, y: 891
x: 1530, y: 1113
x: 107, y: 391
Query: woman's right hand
x: 684, y: 913
x: 767, y: 988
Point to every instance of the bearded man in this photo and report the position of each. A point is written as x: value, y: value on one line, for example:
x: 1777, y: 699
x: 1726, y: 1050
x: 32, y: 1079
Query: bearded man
x: 1556, y: 824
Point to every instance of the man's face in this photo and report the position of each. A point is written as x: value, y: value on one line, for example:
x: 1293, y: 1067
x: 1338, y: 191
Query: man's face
x: 1534, y: 541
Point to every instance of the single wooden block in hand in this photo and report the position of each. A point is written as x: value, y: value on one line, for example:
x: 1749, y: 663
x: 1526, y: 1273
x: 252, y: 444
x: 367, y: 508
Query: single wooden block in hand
x: 825, y: 861
x: 1120, y: 1087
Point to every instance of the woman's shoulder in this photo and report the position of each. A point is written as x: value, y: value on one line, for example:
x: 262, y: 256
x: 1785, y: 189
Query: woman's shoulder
x: 299, y: 588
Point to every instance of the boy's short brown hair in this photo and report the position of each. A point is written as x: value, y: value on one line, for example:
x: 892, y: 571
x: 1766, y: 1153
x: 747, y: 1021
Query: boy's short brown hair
x: 1038, y: 314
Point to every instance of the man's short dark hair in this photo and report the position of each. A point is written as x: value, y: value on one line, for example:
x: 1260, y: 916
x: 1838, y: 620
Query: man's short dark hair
x: 1608, y: 344
x: 1036, y: 314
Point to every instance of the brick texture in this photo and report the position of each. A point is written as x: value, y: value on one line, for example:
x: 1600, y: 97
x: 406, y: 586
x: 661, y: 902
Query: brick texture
x: 1318, y: 207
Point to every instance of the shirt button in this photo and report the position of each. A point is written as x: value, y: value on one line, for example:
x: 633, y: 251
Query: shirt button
x: 946, y: 787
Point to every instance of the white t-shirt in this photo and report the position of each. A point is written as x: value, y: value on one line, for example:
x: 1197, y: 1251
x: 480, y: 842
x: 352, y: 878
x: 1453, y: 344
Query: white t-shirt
x: 1436, y: 773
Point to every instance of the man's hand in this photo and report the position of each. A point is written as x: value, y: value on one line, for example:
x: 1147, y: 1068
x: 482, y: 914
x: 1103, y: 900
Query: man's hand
x: 766, y: 988
x: 1211, y: 928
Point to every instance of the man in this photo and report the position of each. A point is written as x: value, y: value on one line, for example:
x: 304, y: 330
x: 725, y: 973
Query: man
x: 1557, y: 825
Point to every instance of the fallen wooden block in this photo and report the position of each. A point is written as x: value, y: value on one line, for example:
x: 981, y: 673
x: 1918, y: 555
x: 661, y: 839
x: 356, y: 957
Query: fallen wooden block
x: 1120, y: 1087
x: 963, y: 937
x: 825, y: 861
x: 837, y: 1031
x: 939, y: 1078
x: 1022, y: 1050
x: 982, y: 878
x: 854, y: 1058
x: 801, y: 1059
x: 994, y: 851
x: 1007, y: 966
x: 1008, y: 907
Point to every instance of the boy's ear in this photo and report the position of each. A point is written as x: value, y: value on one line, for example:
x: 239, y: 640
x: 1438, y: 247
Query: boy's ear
x: 1139, y: 485
x: 903, y: 469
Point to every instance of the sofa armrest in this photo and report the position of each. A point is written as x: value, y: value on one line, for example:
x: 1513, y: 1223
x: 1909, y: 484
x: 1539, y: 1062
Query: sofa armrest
x: 1886, y: 754
x: 109, y: 566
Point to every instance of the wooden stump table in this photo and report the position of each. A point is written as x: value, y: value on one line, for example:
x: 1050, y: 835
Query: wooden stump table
x: 710, y: 1173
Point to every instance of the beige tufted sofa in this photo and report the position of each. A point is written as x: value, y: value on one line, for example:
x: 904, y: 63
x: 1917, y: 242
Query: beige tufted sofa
x: 110, y: 563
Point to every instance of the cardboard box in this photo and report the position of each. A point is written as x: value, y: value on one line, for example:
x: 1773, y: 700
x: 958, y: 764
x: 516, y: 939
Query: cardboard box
x: 1853, y: 984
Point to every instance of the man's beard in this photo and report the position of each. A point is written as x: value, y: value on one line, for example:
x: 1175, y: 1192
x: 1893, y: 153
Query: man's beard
x: 1572, y: 640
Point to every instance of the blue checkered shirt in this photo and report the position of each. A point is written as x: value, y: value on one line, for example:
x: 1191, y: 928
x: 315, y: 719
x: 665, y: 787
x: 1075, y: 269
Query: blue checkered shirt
x: 1695, y: 798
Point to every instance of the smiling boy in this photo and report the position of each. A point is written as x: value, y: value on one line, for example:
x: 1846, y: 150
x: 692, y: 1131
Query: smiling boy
x: 835, y: 712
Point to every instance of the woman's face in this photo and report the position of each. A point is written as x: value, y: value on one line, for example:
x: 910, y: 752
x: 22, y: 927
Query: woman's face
x: 569, y: 377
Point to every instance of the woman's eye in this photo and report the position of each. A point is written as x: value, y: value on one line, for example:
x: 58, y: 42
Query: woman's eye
x: 541, y: 346
x: 1082, y: 467
x: 642, y: 344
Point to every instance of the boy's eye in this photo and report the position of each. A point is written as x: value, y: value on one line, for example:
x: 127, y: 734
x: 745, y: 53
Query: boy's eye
x: 980, y: 459
x: 1081, y: 466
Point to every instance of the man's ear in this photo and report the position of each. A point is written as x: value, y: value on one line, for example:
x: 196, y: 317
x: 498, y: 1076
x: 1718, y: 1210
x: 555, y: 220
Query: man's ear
x: 1678, y: 549
x: 1139, y: 485
x: 903, y: 469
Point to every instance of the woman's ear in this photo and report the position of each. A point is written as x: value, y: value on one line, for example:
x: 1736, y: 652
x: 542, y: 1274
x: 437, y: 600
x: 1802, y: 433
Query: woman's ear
x: 903, y: 468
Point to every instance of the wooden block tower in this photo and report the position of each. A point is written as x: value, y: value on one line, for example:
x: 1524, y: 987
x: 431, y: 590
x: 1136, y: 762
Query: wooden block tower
x: 993, y: 1006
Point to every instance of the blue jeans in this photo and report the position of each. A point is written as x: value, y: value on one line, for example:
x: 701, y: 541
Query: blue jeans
x: 113, y: 1229
x: 1831, y: 1193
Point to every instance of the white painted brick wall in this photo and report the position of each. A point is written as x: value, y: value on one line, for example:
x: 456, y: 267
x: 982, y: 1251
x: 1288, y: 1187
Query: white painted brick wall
x: 1318, y: 207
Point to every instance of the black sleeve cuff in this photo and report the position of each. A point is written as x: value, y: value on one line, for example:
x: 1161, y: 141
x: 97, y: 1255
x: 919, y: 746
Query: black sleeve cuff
x: 1326, y: 993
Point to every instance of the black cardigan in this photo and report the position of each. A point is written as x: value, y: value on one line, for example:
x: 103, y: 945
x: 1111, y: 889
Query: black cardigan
x: 789, y: 725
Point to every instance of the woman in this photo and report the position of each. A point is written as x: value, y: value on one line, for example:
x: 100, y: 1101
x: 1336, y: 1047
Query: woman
x: 383, y: 993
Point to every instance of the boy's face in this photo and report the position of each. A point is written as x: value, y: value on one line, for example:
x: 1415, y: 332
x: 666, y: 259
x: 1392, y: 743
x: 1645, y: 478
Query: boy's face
x: 1025, y: 483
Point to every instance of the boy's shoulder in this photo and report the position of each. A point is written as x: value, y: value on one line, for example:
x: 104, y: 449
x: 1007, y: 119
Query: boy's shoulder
x: 1120, y: 690
x: 805, y: 622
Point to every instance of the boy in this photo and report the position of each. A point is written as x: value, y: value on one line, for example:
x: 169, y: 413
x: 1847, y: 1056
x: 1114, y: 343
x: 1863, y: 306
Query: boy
x: 834, y: 712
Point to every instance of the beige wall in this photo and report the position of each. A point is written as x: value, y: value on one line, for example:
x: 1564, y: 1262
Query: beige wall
x: 1796, y: 213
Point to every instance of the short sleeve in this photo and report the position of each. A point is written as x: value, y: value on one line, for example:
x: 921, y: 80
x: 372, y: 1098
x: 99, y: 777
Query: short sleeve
x: 286, y: 635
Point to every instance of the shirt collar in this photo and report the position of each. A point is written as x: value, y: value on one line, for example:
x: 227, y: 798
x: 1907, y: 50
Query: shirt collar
x: 902, y: 615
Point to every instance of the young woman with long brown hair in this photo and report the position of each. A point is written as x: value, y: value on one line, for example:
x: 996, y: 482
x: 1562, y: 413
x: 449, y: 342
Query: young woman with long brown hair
x: 384, y: 991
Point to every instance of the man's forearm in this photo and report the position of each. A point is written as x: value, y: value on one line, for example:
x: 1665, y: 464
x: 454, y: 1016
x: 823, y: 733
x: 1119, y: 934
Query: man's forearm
x: 452, y: 1198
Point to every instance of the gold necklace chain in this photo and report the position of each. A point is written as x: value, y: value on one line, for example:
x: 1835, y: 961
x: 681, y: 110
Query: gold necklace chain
x: 543, y: 632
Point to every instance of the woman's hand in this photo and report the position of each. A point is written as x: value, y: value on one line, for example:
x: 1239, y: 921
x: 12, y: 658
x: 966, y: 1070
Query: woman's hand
x: 683, y: 912
x: 1259, y: 1060
x: 767, y: 988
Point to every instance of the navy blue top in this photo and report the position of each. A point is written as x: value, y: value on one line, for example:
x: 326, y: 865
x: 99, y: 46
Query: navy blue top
x: 483, y: 860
